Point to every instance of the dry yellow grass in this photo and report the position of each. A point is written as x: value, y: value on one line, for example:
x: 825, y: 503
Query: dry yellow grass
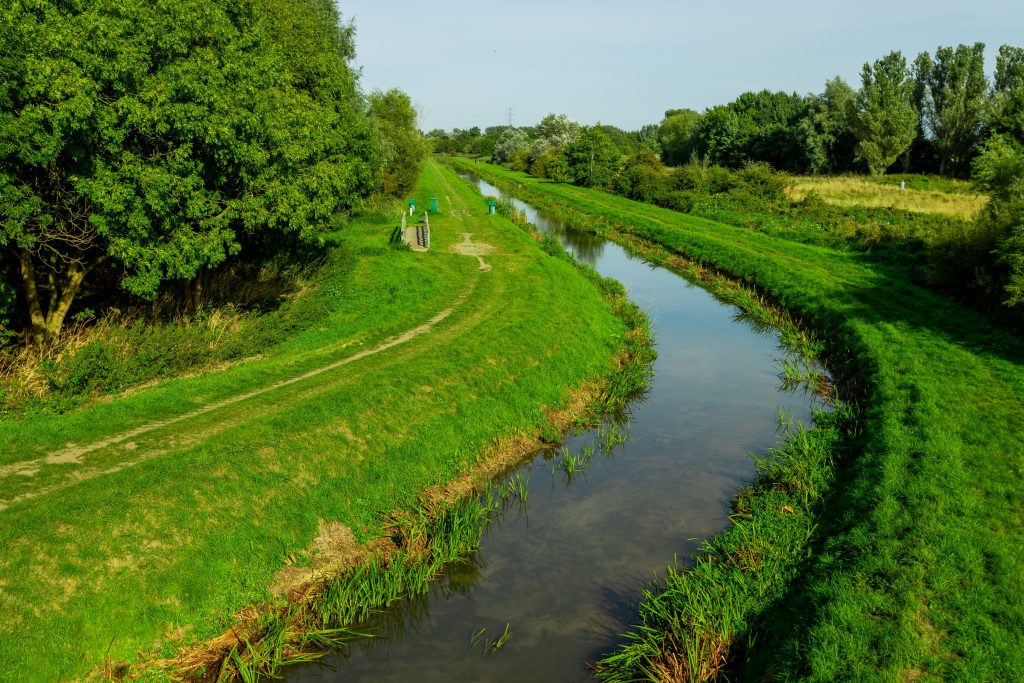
x: 847, y: 191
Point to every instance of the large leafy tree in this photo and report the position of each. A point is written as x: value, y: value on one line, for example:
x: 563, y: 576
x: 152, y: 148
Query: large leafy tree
x: 511, y: 141
x: 157, y: 139
x: 402, y: 145
x: 954, y: 101
x: 756, y: 126
x: 828, y: 128
x: 592, y: 157
x: 886, y: 117
x: 675, y: 133
x: 1008, y: 93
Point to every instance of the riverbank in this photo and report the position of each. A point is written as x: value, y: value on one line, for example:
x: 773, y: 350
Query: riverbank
x: 932, y: 499
x: 149, y: 523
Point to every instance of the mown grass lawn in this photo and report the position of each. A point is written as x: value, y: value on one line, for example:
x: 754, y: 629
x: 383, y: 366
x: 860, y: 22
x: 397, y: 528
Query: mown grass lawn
x: 129, y: 529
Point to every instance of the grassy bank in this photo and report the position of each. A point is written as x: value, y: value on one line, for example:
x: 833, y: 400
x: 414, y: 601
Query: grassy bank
x: 911, y: 571
x: 136, y: 526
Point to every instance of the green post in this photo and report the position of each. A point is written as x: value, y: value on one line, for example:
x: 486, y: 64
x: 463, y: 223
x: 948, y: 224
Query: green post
x: 433, y: 205
x: 412, y: 206
x: 491, y: 204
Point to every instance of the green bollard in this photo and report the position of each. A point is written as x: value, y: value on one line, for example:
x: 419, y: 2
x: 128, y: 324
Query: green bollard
x: 491, y: 204
x: 433, y: 205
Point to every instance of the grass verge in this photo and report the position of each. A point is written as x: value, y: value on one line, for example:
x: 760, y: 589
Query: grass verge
x: 139, y: 527
x: 911, y: 570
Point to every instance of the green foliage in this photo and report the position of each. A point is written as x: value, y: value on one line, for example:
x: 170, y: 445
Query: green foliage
x: 159, y: 140
x: 828, y: 129
x: 999, y: 165
x: 953, y: 101
x: 999, y: 170
x: 551, y: 164
x: 7, y: 299
x: 886, y: 118
x: 642, y: 177
x: 674, y: 135
x: 1008, y: 93
x: 625, y: 142
x: 511, y: 141
x: 756, y: 126
x: 402, y: 145
x: 556, y: 130
x: 592, y: 158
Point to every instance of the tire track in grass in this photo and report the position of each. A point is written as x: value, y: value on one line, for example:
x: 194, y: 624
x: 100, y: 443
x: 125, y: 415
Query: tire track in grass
x: 74, y: 455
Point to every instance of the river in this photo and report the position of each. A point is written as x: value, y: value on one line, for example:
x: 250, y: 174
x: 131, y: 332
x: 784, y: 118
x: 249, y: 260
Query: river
x: 565, y: 571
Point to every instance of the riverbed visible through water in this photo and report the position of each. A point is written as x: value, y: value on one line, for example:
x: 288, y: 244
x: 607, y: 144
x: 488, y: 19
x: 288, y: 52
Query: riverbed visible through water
x: 565, y: 571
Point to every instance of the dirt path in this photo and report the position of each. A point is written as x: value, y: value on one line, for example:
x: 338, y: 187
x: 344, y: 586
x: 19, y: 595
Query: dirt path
x: 74, y: 454
x: 77, y: 462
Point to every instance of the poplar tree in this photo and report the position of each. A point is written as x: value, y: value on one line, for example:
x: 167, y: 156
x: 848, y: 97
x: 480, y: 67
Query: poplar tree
x: 886, y: 118
x: 954, y: 101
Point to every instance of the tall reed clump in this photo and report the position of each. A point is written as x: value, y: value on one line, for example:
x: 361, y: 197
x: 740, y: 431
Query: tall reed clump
x: 339, y: 609
x: 689, y: 622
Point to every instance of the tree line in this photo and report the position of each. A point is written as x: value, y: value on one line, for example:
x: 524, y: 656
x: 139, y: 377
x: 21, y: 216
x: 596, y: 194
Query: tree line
x: 932, y: 115
x: 941, y: 114
x: 145, y: 144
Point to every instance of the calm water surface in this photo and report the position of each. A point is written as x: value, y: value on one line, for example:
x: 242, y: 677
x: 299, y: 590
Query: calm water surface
x: 565, y: 572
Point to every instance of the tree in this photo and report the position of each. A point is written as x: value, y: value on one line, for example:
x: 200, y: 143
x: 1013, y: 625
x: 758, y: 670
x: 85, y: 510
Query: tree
x: 510, y: 142
x: 1008, y: 93
x: 953, y: 101
x: 592, y: 158
x: 647, y: 138
x: 999, y: 171
x: 886, y: 118
x: 717, y: 137
x: 403, y: 148
x: 156, y: 141
x: 828, y: 129
x: 556, y: 130
x: 674, y: 135
x: 642, y: 177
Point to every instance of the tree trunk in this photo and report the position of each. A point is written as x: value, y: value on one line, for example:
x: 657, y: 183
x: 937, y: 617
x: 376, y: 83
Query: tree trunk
x: 60, y: 305
x: 47, y: 325
x: 35, y: 311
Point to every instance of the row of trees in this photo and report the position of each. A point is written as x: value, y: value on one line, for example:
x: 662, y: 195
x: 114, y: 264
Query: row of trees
x: 142, y: 144
x: 531, y: 142
x: 929, y: 116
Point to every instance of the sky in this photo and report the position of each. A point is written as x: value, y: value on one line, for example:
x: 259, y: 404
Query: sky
x: 624, y: 63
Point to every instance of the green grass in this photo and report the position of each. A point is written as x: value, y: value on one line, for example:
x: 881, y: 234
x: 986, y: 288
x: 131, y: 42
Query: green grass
x: 914, y: 570
x: 154, y: 541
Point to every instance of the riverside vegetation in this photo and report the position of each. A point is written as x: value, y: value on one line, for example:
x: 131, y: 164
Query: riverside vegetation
x: 161, y: 520
x: 880, y: 544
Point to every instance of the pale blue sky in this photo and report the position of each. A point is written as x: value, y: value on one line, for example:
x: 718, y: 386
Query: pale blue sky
x: 464, y: 63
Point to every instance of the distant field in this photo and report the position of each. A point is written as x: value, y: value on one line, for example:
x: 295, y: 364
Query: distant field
x: 923, y: 194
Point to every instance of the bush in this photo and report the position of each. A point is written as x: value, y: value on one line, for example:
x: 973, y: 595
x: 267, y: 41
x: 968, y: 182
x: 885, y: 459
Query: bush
x: 761, y: 181
x: 642, y: 178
